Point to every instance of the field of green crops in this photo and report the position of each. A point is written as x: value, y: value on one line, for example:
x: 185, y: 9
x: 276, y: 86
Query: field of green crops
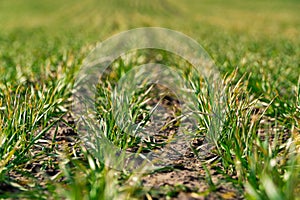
x: 255, y: 46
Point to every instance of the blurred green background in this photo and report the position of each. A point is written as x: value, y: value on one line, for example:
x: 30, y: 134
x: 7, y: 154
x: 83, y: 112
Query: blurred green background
x: 261, y: 37
x: 42, y: 44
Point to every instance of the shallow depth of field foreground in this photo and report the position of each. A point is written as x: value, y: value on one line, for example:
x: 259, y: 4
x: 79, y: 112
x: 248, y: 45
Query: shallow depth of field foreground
x: 154, y: 124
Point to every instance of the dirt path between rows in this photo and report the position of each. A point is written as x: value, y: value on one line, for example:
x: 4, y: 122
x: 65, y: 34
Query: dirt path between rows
x: 184, y: 175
